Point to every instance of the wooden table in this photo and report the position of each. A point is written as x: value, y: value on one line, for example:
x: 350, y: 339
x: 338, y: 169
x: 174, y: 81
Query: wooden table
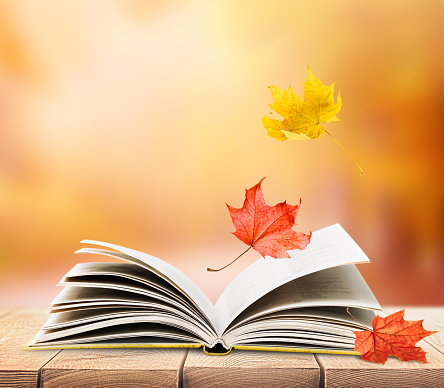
x: 192, y: 368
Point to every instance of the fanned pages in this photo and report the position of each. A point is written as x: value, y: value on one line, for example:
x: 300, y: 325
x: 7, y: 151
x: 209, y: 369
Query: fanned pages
x: 296, y: 304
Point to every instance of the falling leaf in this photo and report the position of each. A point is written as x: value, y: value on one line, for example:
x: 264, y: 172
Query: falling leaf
x: 302, y: 119
x: 266, y: 229
x: 392, y: 335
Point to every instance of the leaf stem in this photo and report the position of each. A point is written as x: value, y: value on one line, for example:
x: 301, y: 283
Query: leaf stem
x: 243, y: 253
x: 329, y: 134
x: 349, y: 313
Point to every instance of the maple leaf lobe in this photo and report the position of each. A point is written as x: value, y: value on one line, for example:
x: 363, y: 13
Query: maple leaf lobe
x: 267, y: 229
x: 392, y: 335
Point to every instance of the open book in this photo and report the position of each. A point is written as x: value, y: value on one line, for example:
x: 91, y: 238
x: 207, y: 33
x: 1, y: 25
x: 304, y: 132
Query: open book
x: 296, y: 304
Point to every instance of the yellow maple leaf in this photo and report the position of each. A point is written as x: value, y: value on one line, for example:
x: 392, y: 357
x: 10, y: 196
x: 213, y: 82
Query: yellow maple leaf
x: 302, y: 119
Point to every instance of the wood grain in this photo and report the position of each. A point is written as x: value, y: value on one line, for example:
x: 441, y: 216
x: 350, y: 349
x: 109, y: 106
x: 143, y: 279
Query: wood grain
x: 5, y: 311
x: 250, y: 369
x: 114, y: 368
x: 20, y: 368
x: 352, y: 371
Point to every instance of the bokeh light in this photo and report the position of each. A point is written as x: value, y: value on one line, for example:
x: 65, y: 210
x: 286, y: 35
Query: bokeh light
x: 134, y: 122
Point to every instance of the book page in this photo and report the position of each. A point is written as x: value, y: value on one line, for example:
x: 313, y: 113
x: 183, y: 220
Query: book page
x: 325, y: 314
x: 96, y: 296
x: 337, y: 286
x: 139, y: 333
x: 134, y: 279
x: 314, y: 324
x: 124, y: 269
x: 166, y: 271
x: 159, y: 320
x: 329, y: 247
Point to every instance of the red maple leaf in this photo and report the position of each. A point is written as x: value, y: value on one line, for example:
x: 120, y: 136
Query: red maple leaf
x: 267, y: 229
x: 392, y: 335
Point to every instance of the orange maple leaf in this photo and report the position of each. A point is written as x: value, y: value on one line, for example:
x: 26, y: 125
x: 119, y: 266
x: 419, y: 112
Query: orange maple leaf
x: 266, y: 229
x: 392, y: 335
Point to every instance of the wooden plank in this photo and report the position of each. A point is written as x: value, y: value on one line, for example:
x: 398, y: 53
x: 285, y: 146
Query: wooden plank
x: 351, y: 371
x: 114, y: 368
x: 21, y: 368
x: 5, y: 311
x: 250, y: 369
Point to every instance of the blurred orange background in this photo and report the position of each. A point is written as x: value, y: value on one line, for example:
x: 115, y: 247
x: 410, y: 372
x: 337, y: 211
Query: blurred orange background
x: 134, y: 122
